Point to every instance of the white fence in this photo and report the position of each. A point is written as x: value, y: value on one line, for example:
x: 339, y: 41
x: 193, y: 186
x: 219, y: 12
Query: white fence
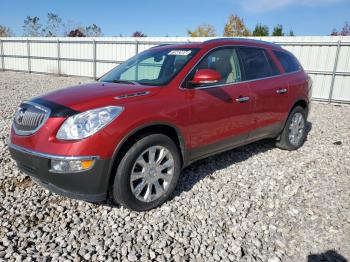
x: 326, y: 59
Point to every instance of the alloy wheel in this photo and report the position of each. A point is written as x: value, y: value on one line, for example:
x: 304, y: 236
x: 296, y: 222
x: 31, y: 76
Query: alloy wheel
x: 296, y: 129
x: 152, y: 173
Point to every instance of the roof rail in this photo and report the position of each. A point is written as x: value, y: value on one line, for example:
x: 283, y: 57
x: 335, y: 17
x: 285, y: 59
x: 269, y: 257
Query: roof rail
x: 160, y: 45
x: 242, y: 40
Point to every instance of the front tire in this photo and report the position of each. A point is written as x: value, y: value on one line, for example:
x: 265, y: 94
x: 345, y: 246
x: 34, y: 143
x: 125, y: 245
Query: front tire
x: 148, y: 173
x: 294, y: 133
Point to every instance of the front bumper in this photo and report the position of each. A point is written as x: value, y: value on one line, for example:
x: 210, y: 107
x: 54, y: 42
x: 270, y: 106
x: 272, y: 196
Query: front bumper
x: 90, y: 185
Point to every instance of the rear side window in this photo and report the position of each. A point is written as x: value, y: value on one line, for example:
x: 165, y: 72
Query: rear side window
x: 257, y: 63
x: 289, y: 62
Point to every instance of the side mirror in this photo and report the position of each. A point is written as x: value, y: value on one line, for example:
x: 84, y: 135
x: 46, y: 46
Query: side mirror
x: 205, y: 76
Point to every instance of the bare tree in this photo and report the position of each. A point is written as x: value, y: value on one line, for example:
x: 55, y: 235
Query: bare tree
x: 54, y: 25
x: 31, y: 26
x: 344, y: 31
x: 93, y: 30
x: 71, y: 25
x: 204, y: 30
x: 5, y: 31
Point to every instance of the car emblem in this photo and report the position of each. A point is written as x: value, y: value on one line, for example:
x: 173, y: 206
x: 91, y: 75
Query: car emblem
x: 20, y: 115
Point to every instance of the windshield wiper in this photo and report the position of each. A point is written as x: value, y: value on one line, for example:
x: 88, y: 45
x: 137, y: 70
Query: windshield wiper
x: 124, y: 82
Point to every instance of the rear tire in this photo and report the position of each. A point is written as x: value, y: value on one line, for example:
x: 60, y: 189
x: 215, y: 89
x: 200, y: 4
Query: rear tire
x: 294, y: 133
x: 148, y: 173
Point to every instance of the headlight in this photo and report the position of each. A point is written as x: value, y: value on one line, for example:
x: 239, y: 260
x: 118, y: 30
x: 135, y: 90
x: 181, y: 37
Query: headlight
x: 87, y: 123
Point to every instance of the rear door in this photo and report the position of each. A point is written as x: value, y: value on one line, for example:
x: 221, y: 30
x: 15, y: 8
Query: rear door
x: 297, y: 80
x: 269, y: 88
x: 221, y: 113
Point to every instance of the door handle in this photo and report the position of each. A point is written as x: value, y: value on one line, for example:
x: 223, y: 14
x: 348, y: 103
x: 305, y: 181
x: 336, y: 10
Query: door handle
x: 242, y: 99
x: 282, y: 91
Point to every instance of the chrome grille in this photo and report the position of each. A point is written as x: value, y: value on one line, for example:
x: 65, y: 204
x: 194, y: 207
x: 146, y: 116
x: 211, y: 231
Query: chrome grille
x: 29, y: 118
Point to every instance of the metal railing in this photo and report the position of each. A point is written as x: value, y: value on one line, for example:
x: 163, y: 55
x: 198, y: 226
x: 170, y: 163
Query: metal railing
x: 334, y: 72
x: 95, y: 61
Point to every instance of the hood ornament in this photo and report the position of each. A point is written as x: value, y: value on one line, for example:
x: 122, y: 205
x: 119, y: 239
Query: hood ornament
x: 20, y: 114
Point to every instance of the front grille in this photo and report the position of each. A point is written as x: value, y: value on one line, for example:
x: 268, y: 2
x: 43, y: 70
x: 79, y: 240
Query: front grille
x: 29, y: 118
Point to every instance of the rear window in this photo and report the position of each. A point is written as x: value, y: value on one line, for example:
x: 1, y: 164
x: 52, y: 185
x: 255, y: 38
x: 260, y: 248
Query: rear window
x: 289, y: 62
x: 257, y: 63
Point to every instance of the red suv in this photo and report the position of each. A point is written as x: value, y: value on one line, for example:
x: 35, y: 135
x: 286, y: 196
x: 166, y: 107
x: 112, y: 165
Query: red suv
x: 128, y: 135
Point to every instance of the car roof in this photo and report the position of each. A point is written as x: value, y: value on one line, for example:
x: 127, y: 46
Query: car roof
x: 216, y: 42
x: 242, y: 41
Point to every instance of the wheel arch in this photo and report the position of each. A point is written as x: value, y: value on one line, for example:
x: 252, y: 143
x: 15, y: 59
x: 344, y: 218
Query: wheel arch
x: 300, y: 102
x: 153, y: 128
x: 303, y: 103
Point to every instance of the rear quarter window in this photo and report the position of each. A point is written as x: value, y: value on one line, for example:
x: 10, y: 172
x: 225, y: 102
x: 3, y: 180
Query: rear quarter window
x: 257, y: 63
x: 288, y: 62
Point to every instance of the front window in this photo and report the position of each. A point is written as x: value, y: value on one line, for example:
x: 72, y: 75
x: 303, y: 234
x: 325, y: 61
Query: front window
x: 151, y: 67
x: 224, y: 61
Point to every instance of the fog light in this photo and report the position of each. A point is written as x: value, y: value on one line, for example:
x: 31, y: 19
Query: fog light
x: 66, y: 166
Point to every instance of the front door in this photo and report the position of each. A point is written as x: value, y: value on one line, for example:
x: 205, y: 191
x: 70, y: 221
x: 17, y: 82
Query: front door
x: 220, y: 114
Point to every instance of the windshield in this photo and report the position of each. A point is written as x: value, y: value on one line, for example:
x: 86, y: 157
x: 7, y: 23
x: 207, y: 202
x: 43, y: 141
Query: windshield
x: 151, y: 67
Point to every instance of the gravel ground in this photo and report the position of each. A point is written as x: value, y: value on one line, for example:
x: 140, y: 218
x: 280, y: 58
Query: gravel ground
x: 254, y: 203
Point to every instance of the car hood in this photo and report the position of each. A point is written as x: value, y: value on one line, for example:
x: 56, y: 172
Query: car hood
x: 94, y: 95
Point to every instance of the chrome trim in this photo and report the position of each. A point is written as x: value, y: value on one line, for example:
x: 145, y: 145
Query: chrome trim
x: 282, y: 91
x: 242, y: 99
x: 208, y: 81
x: 143, y: 93
x: 49, y: 156
x: 26, y: 133
x: 233, y: 83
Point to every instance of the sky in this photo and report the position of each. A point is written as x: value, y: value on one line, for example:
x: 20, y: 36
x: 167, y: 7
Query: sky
x: 173, y: 18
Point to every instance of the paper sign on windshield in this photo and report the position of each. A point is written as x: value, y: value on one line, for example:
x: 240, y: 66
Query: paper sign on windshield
x: 179, y: 52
